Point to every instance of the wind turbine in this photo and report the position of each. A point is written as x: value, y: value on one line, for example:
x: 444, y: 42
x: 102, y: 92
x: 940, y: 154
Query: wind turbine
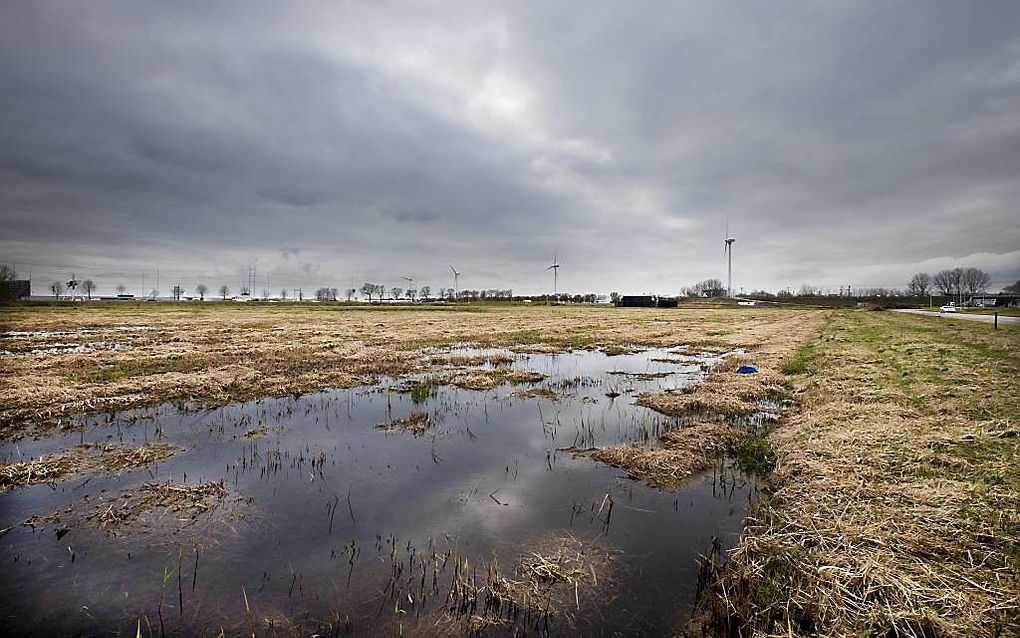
x: 555, y: 267
x: 456, y: 277
x: 410, y: 286
x: 728, y: 252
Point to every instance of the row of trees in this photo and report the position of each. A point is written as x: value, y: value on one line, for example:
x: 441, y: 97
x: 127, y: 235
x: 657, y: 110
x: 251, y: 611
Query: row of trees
x: 88, y: 288
x: 955, y: 281
x: 377, y: 291
x: 706, y: 288
x: 948, y: 282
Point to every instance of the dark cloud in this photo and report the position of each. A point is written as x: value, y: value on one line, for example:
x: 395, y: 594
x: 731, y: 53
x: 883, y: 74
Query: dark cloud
x: 842, y: 142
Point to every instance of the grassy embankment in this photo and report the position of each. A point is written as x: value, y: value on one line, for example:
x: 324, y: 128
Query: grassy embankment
x: 895, y: 508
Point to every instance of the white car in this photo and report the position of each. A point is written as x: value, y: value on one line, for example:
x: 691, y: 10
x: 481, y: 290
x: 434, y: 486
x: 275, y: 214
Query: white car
x: 947, y: 309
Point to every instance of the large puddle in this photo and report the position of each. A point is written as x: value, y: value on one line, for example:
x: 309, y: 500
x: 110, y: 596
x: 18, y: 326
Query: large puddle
x: 333, y: 524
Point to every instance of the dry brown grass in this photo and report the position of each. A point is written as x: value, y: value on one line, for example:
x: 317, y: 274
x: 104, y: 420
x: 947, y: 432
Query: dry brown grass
x: 81, y: 459
x: 729, y: 394
x: 896, y: 508
x: 156, y: 513
x: 560, y: 577
x: 417, y: 423
x: 536, y: 393
x: 180, y: 500
x: 488, y: 379
x: 124, y: 355
x: 678, y: 454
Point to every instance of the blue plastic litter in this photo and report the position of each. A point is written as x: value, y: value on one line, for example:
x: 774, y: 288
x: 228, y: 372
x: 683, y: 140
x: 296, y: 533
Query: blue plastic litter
x: 746, y: 370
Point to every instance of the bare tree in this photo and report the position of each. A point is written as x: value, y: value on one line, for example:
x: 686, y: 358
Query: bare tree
x: 6, y: 273
x: 919, y: 284
x: 88, y: 287
x: 283, y: 294
x: 368, y: 290
x: 1013, y: 287
x: 177, y: 291
x: 224, y: 291
x: 426, y: 291
x: 121, y: 289
x: 956, y: 274
x: 350, y: 293
x: 944, y: 282
x: 201, y: 289
x: 57, y: 288
x: 974, y: 280
x: 395, y: 292
x: 711, y: 288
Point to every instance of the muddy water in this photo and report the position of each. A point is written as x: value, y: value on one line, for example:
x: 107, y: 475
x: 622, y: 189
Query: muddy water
x: 330, y: 519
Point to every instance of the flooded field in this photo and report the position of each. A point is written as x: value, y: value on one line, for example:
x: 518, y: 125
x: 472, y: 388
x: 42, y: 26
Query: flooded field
x: 452, y: 503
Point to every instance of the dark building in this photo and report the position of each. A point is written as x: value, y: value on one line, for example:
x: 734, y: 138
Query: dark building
x: 16, y: 289
x: 636, y: 301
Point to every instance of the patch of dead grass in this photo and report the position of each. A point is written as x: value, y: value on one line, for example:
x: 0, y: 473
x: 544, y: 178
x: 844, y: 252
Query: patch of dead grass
x: 488, y: 379
x: 160, y: 513
x: 181, y: 500
x: 561, y: 577
x: 417, y: 423
x: 536, y: 393
x: 81, y: 459
x: 726, y: 393
x: 677, y: 456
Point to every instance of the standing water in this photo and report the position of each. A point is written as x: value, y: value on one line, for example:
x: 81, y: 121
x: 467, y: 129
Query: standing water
x: 327, y: 522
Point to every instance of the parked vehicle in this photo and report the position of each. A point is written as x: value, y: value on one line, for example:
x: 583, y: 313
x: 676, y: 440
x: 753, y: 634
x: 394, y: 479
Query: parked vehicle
x: 947, y: 309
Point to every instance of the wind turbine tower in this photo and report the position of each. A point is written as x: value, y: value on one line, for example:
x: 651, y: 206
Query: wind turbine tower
x: 411, y: 290
x: 555, y: 267
x: 456, y: 279
x: 728, y: 250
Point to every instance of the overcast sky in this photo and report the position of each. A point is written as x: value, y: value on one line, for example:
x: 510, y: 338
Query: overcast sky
x: 843, y: 142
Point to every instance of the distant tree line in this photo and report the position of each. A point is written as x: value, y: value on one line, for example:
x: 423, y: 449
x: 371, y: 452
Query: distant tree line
x: 950, y: 282
x: 706, y: 288
x: 957, y: 282
x: 326, y: 294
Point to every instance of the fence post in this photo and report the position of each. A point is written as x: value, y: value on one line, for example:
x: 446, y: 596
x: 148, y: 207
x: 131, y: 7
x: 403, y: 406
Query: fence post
x: 996, y: 319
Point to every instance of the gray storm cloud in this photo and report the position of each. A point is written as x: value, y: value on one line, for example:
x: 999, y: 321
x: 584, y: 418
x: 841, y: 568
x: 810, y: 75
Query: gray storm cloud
x: 324, y: 143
